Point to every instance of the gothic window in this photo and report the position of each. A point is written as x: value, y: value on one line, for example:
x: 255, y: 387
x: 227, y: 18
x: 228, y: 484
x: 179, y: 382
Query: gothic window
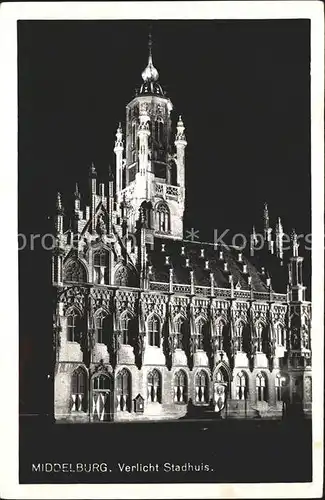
x: 133, y: 160
x: 159, y: 130
x: 75, y: 271
x: 163, y: 218
x: 241, y: 386
x: 101, y: 327
x: 179, y: 330
x: 279, y: 332
x: 180, y: 387
x: 219, y: 335
x: 134, y: 133
x: 154, y: 386
x: 153, y: 331
x: 199, y: 333
x: 121, y: 276
x: 123, y: 390
x: 125, y: 328
x: 100, y: 266
x: 261, y: 390
x: 79, y: 390
x: 201, y: 387
x: 101, y: 382
x: 278, y: 387
x: 73, y: 326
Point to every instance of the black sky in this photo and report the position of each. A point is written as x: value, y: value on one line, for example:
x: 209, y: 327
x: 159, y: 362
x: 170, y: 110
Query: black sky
x: 242, y: 88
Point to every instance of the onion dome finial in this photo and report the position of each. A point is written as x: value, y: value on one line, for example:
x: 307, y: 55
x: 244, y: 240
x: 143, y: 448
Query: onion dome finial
x: 150, y: 73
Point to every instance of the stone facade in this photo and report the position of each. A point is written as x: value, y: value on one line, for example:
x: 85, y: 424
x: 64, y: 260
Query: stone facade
x: 150, y: 326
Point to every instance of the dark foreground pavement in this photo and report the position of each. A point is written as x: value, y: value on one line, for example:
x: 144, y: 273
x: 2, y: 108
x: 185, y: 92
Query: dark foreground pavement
x: 233, y: 451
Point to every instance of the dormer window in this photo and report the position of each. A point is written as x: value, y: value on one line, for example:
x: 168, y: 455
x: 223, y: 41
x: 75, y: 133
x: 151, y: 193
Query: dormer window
x: 100, y: 267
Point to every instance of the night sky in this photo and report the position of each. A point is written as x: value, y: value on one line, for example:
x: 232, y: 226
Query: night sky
x: 242, y: 88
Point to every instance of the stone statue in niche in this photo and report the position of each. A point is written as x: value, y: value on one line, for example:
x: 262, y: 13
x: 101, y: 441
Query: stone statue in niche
x: 121, y: 276
x: 101, y: 226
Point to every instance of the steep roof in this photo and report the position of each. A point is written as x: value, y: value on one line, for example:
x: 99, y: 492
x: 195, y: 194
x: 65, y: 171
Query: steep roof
x: 204, y: 259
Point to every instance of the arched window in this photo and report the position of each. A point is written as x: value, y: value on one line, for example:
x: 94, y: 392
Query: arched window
x: 278, y: 381
x: 199, y: 333
x: 241, y: 386
x: 180, y: 387
x: 134, y: 156
x: 79, y: 390
x: 101, y: 266
x: 123, y: 390
x: 220, y: 334
x: 279, y: 334
x: 125, y: 323
x: 179, y: 331
x: 201, y: 387
x: 73, y: 326
x: 101, y: 327
x: 75, y: 271
x: 154, y: 386
x: 259, y: 335
x: 101, y: 382
x: 159, y: 130
x: 163, y: 218
x: 261, y: 387
x: 153, y: 331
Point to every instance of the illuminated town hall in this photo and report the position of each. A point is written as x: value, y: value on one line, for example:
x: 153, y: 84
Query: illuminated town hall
x: 148, y: 325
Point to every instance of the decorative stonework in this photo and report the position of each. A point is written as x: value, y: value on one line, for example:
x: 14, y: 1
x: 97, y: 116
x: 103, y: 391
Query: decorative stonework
x: 73, y: 296
x: 101, y: 298
x: 125, y: 300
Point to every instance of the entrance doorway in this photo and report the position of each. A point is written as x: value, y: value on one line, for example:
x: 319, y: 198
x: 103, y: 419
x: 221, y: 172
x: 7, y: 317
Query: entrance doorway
x: 101, y: 398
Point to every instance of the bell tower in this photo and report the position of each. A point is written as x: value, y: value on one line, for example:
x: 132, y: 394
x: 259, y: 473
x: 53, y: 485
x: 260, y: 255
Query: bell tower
x: 151, y: 177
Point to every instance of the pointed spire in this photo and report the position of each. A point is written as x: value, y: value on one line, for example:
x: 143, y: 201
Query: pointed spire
x: 110, y: 173
x: 180, y: 135
x: 92, y: 170
x: 279, y: 227
x: 266, y: 216
x: 295, y: 245
x: 77, y: 192
x: 59, y: 206
x: 119, y: 138
x: 279, y: 238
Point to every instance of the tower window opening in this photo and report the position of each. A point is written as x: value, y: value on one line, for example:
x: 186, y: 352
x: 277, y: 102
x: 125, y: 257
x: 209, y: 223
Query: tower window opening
x: 134, y: 133
x: 159, y: 130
